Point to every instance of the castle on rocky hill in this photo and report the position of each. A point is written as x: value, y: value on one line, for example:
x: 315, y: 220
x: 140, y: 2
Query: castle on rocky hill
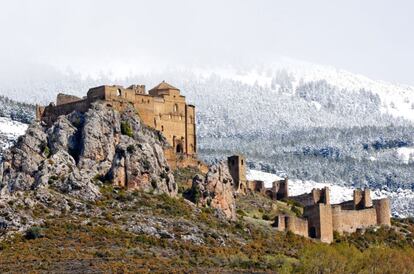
x: 162, y: 108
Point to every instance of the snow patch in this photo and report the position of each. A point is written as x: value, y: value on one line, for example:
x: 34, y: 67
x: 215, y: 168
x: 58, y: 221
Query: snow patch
x: 406, y: 154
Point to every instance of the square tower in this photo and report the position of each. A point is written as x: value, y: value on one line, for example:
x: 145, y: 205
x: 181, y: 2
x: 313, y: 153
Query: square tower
x: 237, y: 168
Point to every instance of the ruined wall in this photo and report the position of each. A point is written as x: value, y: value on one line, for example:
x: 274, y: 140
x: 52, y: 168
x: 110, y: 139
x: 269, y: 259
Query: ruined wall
x: 280, y: 189
x: 65, y: 99
x: 280, y: 222
x: 350, y: 220
x: 256, y: 186
x: 52, y: 112
x: 316, y: 196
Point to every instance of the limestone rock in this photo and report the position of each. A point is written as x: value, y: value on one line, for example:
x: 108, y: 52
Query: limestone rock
x: 79, y: 149
x: 216, y: 190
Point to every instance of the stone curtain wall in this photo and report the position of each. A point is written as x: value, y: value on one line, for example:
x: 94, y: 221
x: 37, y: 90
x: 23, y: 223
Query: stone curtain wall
x: 297, y: 225
x: 350, y: 220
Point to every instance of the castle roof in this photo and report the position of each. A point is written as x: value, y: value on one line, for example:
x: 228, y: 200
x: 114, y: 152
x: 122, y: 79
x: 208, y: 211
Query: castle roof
x: 163, y: 86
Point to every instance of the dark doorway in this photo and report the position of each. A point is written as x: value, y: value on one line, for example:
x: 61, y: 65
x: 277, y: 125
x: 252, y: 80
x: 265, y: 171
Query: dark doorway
x: 180, y: 148
x: 312, y: 232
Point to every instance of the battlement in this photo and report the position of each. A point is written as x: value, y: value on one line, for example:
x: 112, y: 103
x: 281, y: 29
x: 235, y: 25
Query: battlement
x: 316, y: 196
x: 163, y: 108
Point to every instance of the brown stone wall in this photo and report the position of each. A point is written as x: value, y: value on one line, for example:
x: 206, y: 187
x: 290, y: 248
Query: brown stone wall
x: 256, y: 186
x: 350, y: 220
x: 51, y: 112
x: 297, y: 225
x: 65, y: 99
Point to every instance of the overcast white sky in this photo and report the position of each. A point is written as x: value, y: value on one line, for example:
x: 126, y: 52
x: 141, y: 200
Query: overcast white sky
x: 371, y: 37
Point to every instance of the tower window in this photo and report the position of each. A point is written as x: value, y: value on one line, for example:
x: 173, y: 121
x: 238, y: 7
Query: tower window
x: 118, y: 92
x: 242, y: 162
x: 175, y: 108
x: 162, y: 128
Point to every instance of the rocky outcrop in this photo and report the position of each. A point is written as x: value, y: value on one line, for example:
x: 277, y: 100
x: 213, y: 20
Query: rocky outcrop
x: 216, y: 190
x: 81, y: 151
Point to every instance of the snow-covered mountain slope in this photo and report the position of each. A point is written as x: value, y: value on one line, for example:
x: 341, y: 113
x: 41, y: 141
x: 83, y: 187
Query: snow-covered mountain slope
x: 311, y: 122
x: 396, y: 99
x: 402, y: 200
x: 9, y: 132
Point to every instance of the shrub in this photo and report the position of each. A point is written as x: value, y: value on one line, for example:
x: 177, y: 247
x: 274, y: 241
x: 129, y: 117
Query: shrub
x: 126, y: 129
x: 266, y: 217
x: 34, y: 233
x: 46, y: 152
x: 241, y: 212
x: 131, y: 149
x: 297, y: 211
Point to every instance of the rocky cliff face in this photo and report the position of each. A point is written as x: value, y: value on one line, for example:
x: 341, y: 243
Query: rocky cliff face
x: 79, y: 152
x: 216, y: 190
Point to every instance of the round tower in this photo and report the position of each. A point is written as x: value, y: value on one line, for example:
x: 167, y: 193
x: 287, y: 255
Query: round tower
x: 383, y: 210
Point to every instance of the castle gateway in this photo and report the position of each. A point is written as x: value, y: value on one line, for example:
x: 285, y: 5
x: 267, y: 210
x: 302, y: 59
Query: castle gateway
x: 162, y: 108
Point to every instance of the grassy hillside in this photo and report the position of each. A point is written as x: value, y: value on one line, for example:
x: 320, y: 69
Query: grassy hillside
x: 142, y: 232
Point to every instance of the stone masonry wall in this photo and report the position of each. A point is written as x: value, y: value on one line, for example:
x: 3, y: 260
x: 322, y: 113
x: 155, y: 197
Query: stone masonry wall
x: 350, y: 220
x: 297, y: 225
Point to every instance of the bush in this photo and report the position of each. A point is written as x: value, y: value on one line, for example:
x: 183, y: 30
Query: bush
x: 266, y: 217
x: 34, y: 232
x: 46, y: 152
x: 297, y: 211
x: 126, y: 129
x: 131, y: 149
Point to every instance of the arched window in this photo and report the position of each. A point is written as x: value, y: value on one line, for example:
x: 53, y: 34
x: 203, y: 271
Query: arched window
x: 162, y: 128
x: 155, y: 122
x: 118, y: 92
x: 175, y: 109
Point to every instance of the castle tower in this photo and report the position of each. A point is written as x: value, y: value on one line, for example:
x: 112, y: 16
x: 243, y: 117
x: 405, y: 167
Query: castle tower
x: 280, y: 189
x: 326, y: 196
x: 362, y: 198
x: 320, y: 224
x: 382, y: 208
x: 321, y: 196
x: 237, y: 168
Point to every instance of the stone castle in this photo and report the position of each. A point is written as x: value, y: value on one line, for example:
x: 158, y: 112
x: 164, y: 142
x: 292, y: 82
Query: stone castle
x: 320, y: 219
x: 162, y: 108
